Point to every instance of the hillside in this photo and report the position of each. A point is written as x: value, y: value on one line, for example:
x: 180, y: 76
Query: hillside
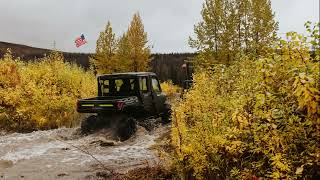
x: 167, y: 66
x: 28, y: 53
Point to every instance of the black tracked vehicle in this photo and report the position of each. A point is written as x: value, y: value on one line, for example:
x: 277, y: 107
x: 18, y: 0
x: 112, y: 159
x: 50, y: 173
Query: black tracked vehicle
x: 123, y: 99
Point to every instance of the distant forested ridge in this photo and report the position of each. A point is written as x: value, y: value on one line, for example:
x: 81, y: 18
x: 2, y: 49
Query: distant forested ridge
x: 167, y: 66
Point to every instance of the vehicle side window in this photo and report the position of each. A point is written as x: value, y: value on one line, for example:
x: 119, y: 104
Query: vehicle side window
x: 119, y: 83
x: 106, y: 85
x: 125, y: 85
x: 111, y: 87
x: 155, y: 85
x: 143, y: 84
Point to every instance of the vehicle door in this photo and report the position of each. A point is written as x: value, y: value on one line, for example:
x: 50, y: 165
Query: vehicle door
x: 146, y: 95
x: 159, y: 98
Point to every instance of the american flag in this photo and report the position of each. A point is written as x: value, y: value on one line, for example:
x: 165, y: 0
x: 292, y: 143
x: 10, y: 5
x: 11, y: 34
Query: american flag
x: 80, y: 41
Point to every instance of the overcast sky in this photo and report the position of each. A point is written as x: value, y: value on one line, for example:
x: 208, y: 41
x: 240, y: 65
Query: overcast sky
x: 168, y: 23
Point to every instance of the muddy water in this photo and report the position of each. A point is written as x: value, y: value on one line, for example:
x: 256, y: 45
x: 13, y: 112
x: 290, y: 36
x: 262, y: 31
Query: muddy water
x: 63, y: 153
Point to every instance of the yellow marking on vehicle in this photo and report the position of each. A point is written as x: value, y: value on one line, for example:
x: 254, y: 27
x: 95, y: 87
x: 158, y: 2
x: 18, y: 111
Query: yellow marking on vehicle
x: 106, y: 105
x: 87, y: 105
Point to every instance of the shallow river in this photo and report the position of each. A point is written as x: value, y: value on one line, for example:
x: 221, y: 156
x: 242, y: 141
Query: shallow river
x: 65, y: 154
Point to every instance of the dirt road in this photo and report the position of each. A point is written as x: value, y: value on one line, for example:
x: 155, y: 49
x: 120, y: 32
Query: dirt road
x: 59, y: 154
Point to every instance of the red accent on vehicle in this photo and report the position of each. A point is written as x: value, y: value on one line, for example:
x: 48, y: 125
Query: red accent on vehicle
x: 120, y: 105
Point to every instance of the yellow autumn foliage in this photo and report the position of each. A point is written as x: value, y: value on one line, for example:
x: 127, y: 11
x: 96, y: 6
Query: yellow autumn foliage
x: 128, y: 53
x: 42, y: 94
x: 170, y: 89
x: 252, y: 119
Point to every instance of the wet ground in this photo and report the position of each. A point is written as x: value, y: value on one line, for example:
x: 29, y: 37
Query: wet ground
x: 66, y: 154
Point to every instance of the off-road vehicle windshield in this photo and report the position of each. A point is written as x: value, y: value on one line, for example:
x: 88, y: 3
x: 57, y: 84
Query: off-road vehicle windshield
x: 118, y: 87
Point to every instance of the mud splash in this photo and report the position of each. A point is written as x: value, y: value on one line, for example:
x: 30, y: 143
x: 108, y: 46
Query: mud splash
x: 60, y: 153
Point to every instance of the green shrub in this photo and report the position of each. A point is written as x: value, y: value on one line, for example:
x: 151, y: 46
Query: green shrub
x: 42, y: 94
x: 253, y: 118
